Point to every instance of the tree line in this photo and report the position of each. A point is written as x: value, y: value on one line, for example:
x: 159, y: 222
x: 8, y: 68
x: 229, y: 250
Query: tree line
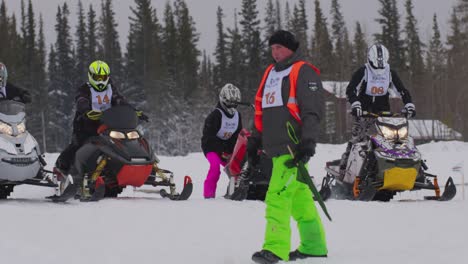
x: 163, y: 71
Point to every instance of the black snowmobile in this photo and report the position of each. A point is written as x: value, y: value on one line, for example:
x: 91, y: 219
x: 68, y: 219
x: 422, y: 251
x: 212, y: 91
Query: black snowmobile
x: 247, y: 183
x: 118, y: 157
x: 385, y: 163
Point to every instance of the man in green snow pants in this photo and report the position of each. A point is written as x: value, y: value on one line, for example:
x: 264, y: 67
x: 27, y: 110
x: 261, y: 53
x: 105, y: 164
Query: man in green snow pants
x: 290, y: 94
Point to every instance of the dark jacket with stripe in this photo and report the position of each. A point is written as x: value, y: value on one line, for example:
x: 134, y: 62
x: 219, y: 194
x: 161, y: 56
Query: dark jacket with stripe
x: 13, y: 92
x: 210, y: 142
x: 309, y: 93
x: 356, y: 91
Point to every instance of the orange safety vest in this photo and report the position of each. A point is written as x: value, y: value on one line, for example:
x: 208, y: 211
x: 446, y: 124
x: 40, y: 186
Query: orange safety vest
x: 292, y: 101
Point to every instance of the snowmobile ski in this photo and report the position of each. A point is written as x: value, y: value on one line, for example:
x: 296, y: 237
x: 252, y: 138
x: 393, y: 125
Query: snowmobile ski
x: 68, y: 193
x: 449, y: 192
x: 184, y: 195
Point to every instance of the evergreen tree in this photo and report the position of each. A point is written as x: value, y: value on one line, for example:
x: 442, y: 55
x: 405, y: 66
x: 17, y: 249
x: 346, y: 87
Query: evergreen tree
x: 169, y: 42
x: 299, y: 26
x: 40, y: 80
x: 220, y: 68
x: 390, y: 34
x: 235, y: 55
x: 322, y: 47
x: 110, y: 51
x: 61, y: 86
x: 82, y: 60
x: 143, y: 56
x: 92, y: 44
x: 436, y: 68
x: 187, y: 56
x: 414, y: 50
x: 271, y: 25
x: 456, y: 67
x: 359, y: 47
x: 279, y: 20
x: 339, y: 32
x: 251, y: 48
x: 287, y: 17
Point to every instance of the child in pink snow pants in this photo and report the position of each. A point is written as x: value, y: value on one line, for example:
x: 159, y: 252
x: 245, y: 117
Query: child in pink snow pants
x: 220, y: 131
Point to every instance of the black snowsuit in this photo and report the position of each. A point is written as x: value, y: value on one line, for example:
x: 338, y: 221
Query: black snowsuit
x: 83, y: 127
x: 210, y: 142
x: 375, y: 104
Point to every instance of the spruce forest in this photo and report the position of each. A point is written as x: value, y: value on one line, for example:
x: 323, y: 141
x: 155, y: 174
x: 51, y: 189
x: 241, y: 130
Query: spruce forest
x: 163, y: 71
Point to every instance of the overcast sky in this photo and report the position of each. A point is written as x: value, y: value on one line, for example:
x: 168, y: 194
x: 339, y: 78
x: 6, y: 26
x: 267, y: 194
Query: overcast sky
x: 204, y: 14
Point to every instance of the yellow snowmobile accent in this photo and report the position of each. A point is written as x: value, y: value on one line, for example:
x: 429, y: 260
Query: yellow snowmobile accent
x: 398, y: 179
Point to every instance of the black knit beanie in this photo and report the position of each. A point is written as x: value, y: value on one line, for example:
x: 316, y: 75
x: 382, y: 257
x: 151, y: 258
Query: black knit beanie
x: 284, y: 38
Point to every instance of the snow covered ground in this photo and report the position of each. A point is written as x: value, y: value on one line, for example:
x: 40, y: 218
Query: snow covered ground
x: 141, y: 227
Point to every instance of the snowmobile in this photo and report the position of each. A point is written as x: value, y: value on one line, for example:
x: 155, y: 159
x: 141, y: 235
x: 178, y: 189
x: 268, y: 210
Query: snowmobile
x: 247, y: 183
x: 21, y: 161
x: 118, y: 157
x: 386, y: 163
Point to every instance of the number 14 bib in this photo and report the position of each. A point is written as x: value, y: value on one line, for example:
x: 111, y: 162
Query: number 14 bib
x: 272, y: 92
x: 101, y: 101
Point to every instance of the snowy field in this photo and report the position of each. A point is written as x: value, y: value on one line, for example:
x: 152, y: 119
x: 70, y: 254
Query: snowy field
x: 140, y: 227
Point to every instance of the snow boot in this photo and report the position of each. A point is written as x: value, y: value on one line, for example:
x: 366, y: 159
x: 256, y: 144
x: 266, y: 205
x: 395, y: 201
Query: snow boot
x: 295, y: 255
x: 265, y: 257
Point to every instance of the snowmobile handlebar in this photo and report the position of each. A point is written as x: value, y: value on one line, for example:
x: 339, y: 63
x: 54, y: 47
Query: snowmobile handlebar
x: 366, y: 114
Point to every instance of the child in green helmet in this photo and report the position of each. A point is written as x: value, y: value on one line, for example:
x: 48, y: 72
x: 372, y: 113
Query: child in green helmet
x: 94, y: 96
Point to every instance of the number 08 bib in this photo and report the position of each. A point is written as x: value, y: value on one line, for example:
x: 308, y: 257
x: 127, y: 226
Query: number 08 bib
x: 272, y: 92
x: 377, y: 84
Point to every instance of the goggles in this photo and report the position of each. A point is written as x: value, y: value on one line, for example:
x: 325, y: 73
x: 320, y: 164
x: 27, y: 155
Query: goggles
x: 99, y: 77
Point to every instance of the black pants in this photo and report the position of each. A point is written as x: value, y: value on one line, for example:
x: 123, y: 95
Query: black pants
x: 66, y: 159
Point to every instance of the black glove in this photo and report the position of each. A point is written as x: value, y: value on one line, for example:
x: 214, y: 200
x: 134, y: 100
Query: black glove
x: 142, y: 116
x: 409, y: 110
x: 356, y: 109
x: 304, y: 152
x: 26, y: 97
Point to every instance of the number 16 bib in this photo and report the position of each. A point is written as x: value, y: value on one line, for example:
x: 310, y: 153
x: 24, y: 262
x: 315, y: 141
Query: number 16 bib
x: 272, y: 92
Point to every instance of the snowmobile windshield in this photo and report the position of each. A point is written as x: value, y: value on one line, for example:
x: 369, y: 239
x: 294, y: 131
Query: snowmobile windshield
x: 11, y: 111
x: 120, y: 117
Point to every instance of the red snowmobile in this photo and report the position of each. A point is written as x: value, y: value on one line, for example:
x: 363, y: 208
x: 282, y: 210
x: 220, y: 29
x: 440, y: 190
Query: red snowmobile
x: 118, y: 157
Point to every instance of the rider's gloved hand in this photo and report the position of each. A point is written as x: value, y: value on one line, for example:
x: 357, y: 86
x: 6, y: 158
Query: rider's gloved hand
x: 142, y: 116
x: 356, y: 109
x: 225, y: 156
x: 94, y: 115
x: 304, y: 152
x: 410, y: 110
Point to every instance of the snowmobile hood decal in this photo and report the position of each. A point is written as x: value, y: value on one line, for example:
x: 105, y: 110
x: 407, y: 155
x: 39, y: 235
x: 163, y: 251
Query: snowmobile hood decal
x: 401, y: 153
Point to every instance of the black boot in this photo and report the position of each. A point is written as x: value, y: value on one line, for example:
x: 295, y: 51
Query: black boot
x: 265, y: 257
x: 295, y: 255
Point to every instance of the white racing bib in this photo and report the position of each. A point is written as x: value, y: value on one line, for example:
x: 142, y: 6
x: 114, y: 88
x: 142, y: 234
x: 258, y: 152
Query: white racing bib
x: 101, y: 101
x: 272, y: 92
x: 377, y: 84
x: 228, y: 125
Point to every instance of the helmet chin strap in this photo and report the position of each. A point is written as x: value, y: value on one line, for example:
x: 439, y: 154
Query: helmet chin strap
x: 227, y: 109
x: 376, y: 70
